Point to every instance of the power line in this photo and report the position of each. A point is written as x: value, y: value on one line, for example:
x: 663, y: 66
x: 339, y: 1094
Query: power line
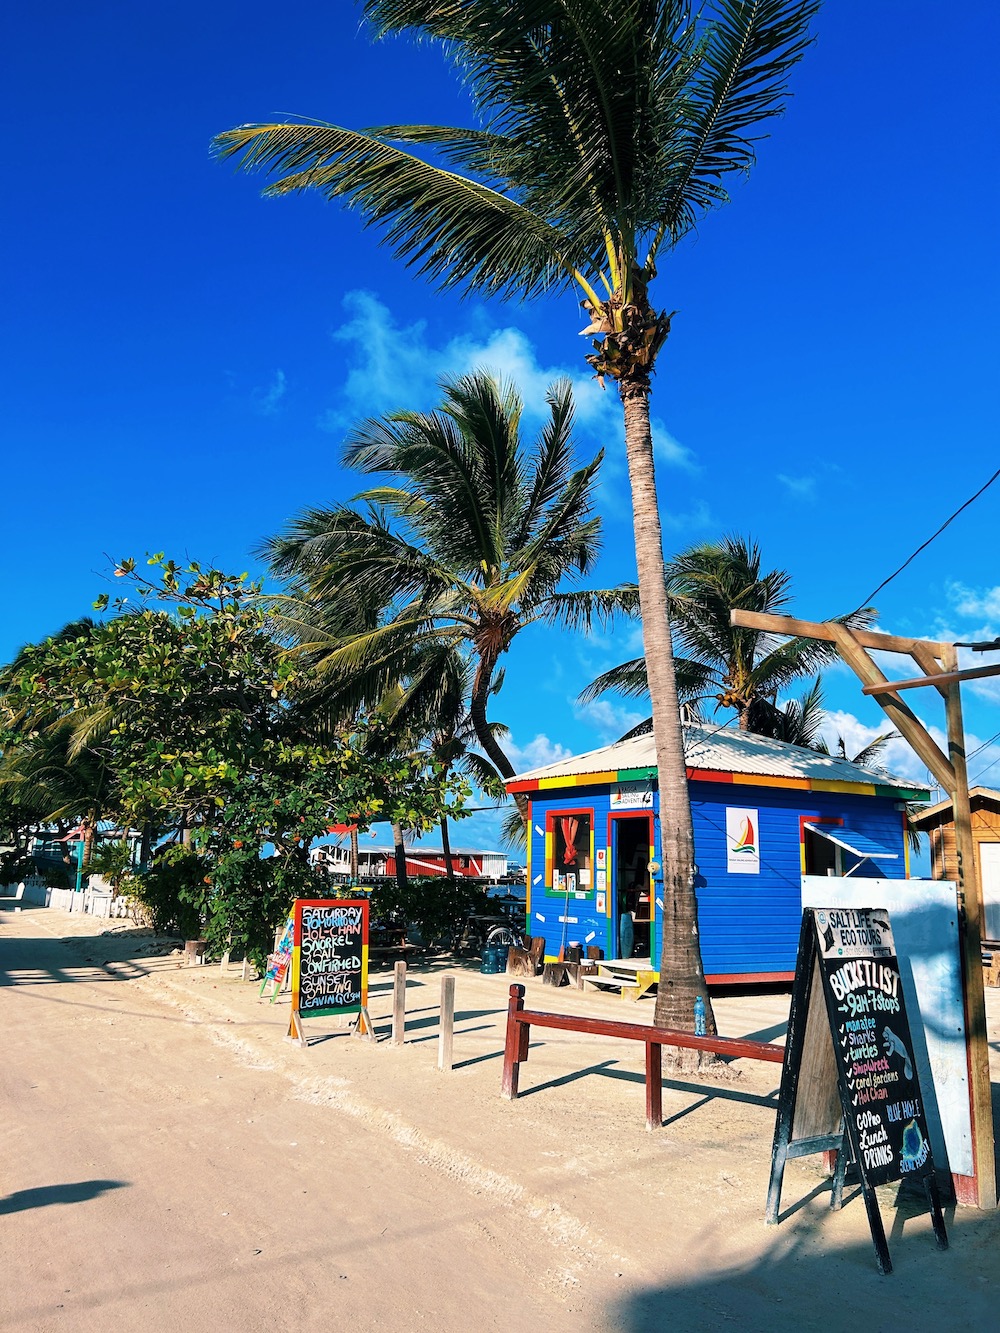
x: 923, y: 547
x: 982, y: 747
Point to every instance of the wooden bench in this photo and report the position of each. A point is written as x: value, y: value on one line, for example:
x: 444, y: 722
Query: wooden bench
x: 631, y: 985
x: 520, y: 1022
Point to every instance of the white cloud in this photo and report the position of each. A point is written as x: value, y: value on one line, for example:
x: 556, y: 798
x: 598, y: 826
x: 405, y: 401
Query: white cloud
x: 609, y: 721
x: 267, y: 401
x: 536, y: 754
x: 803, y: 488
x: 975, y: 603
x: 390, y: 366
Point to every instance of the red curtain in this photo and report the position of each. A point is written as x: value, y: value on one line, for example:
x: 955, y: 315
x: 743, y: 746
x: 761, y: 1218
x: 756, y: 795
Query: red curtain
x: 569, y: 827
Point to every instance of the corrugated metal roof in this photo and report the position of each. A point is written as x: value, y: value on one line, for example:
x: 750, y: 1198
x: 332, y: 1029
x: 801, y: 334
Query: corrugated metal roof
x: 989, y: 795
x: 724, y: 750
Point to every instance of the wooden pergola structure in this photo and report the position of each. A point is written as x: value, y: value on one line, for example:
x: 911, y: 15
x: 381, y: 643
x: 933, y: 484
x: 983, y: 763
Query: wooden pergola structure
x: 938, y: 667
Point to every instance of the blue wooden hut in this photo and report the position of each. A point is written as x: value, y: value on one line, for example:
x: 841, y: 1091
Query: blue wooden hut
x: 765, y: 813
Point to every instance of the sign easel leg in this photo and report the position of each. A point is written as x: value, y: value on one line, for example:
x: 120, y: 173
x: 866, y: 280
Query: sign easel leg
x: 295, y: 1032
x: 882, y: 1260
x: 839, y: 1175
x: 937, y: 1217
x: 363, y: 1026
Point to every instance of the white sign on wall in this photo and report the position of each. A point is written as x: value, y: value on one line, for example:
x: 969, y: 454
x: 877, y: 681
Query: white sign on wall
x: 742, y: 841
x: 631, y: 796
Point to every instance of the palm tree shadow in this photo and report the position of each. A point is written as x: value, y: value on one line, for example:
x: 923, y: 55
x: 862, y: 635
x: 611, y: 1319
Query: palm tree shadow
x: 42, y: 1196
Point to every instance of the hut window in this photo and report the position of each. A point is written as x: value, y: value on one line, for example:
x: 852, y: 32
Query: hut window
x: 572, y: 846
x: 821, y: 855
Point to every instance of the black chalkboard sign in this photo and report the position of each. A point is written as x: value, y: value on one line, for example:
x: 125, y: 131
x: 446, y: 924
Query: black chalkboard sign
x: 329, y: 958
x: 849, y: 1081
x: 872, y: 1043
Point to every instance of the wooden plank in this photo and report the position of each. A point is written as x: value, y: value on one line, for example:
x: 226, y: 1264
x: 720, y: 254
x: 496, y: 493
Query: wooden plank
x: 942, y: 678
x: 446, y: 1036
x: 975, y: 1000
x: 399, y: 1004
x: 928, y: 664
x: 735, y: 1047
x: 909, y: 725
x: 811, y: 629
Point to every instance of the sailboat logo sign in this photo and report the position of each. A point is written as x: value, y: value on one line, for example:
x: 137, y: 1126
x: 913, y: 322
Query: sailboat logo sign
x: 742, y: 841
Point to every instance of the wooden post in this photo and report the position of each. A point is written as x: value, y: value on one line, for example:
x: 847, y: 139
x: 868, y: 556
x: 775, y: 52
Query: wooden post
x: 514, y: 1044
x: 399, y: 1003
x: 447, y: 1032
x: 654, y: 1085
x: 970, y: 896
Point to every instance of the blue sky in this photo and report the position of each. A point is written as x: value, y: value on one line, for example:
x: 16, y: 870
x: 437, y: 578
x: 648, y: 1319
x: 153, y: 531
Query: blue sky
x: 180, y: 357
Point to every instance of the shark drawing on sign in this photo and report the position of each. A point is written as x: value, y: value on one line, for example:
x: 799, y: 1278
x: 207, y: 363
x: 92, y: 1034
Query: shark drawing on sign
x: 894, y: 1046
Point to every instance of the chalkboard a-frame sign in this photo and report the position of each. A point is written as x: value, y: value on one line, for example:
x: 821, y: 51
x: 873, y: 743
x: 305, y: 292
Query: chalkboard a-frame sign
x: 329, y: 959
x: 849, y: 1081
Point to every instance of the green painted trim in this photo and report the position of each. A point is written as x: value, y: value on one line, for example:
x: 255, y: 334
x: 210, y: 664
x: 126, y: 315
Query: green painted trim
x: 904, y: 793
x: 635, y: 774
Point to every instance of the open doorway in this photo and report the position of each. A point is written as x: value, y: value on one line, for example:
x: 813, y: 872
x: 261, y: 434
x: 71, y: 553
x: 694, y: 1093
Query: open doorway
x: 632, y: 907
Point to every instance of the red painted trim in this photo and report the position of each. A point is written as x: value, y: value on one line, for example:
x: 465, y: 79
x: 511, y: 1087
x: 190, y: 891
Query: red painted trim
x: 522, y: 786
x: 745, y: 978
x: 550, y: 817
x: 708, y: 775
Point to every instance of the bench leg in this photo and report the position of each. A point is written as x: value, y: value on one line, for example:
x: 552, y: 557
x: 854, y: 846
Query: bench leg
x: 654, y: 1085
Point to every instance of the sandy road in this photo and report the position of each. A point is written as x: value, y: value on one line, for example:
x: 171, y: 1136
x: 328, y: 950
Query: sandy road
x: 171, y: 1163
x: 151, y: 1180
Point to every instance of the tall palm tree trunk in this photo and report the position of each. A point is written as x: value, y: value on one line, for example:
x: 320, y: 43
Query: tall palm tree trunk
x: 397, y: 838
x: 477, y: 714
x: 449, y: 868
x: 682, y: 978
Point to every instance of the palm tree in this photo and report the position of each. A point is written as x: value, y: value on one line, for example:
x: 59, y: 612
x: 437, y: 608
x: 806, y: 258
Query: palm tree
x: 49, y: 772
x: 720, y: 664
x: 465, y: 549
x: 605, y: 134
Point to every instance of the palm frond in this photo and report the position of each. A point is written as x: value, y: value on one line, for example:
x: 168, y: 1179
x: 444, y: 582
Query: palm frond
x: 453, y: 230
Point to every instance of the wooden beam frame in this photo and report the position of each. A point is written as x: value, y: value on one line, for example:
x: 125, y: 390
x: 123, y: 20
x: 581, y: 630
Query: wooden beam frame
x: 932, y: 678
x: 939, y: 664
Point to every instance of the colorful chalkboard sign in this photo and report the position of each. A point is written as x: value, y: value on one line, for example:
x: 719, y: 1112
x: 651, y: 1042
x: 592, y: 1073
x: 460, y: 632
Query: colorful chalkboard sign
x: 329, y: 959
x: 849, y: 1081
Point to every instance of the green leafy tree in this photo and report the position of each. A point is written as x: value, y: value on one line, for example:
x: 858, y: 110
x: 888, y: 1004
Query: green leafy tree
x: 195, y: 710
x: 603, y: 134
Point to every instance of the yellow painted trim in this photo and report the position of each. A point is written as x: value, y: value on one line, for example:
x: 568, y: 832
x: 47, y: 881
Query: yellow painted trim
x: 854, y: 788
x: 758, y: 780
x: 549, y: 859
x: 547, y: 784
x: 802, y: 848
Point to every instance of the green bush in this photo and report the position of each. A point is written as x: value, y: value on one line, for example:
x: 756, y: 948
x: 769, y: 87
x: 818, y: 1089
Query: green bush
x: 172, y: 894
x: 435, y: 905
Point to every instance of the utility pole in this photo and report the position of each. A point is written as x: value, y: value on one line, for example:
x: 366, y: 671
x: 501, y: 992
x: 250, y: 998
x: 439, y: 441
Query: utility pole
x: 938, y: 667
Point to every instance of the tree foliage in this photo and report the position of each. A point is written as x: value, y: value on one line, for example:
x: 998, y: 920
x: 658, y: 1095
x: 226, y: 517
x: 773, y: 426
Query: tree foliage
x: 204, y: 723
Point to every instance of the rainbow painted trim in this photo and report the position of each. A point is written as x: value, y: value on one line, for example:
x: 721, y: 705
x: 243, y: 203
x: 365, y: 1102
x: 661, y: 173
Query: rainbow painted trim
x: 713, y: 775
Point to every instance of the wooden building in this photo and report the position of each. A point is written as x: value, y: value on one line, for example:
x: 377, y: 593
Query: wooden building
x: 765, y: 813
x: 938, y: 823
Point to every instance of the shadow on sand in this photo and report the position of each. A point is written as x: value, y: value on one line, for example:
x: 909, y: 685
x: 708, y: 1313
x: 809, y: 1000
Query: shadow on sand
x: 43, y: 1196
